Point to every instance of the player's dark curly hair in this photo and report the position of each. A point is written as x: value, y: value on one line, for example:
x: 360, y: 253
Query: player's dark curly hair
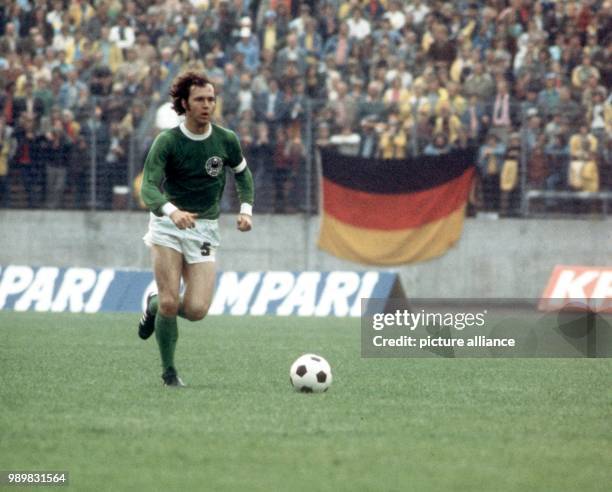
x: 181, y: 87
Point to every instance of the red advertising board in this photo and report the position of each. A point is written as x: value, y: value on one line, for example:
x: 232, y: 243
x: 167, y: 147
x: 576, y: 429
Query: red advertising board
x: 576, y: 286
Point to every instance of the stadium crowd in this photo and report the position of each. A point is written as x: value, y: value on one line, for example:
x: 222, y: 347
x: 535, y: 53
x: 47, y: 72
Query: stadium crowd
x: 528, y: 82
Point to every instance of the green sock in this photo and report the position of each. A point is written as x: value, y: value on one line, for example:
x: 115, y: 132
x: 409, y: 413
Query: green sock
x: 166, y: 333
x: 153, y: 304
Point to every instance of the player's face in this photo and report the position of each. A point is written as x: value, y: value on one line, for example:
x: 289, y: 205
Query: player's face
x: 201, y: 105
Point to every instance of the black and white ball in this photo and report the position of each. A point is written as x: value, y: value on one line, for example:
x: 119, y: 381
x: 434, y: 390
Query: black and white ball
x: 310, y: 373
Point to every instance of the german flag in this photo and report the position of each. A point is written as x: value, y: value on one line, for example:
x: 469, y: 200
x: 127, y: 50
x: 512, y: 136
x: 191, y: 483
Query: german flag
x: 389, y: 212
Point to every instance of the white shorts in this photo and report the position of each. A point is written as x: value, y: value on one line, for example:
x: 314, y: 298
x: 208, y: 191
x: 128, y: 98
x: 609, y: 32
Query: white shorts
x: 197, y: 245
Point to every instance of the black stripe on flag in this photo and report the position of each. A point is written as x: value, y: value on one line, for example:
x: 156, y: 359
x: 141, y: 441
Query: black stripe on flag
x: 395, y: 176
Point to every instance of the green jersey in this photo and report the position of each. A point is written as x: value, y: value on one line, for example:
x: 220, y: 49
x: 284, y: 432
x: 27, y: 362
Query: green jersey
x: 188, y: 170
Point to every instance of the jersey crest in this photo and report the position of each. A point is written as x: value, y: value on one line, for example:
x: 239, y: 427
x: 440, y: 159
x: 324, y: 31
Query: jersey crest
x: 213, y: 166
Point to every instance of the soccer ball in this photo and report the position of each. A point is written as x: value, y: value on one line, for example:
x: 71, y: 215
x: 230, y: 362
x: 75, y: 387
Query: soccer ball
x: 310, y: 373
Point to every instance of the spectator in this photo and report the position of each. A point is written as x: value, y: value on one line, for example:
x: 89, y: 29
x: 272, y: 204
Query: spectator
x: 27, y: 160
x: 393, y: 142
x: 589, y: 94
x: 245, y: 94
x: 78, y: 172
x: 509, y: 177
x: 582, y: 141
x: 538, y: 170
x: 287, y: 158
x: 343, y: 106
x: 457, y: 103
x: 584, y: 72
x: 248, y: 46
x: 372, y: 104
x: 530, y: 102
x: 339, y: 46
x: 462, y: 65
x: 170, y: 39
x: 387, y: 33
x: 479, y: 83
x: 261, y: 167
x: 395, y: 94
x: 399, y: 70
x: 596, y: 117
x: 503, y: 113
x: 358, y: 26
x: 96, y: 135
x: 213, y: 71
x: 64, y: 41
x: 568, y: 107
x: 7, y: 103
x: 70, y: 90
x: 602, y: 60
x: 438, y: 146
x: 347, y: 141
x: 311, y: 42
x: 395, y: 16
x: 407, y: 49
x: 298, y: 25
x: 554, y: 127
x: 7, y: 149
x: 327, y: 22
x: 442, y: 51
x: 122, y: 34
x: 55, y: 16
x: 28, y: 104
x: 489, y: 164
x: 368, y: 144
x: 557, y: 163
x: 10, y: 39
x: 423, y: 129
x: 132, y: 120
x: 291, y: 52
x: 417, y: 9
x: 548, y: 98
x: 532, y: 130
x: 583, y: 172
x: 207, y: 33
x: 270, y: 106
x: 448, y: 123
x: 56, y: 149
x: 314, y: 85
x: 296, y: 109
x: 475, y: 120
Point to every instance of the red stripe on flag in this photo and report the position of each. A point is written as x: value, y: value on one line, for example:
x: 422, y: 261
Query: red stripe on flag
x: 395, y: 211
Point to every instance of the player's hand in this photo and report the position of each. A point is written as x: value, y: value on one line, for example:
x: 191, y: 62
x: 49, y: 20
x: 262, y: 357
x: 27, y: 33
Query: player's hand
x: 183, y: 220
x: 244, y: 222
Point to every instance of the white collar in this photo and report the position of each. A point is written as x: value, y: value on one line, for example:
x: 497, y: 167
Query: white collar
x: 195, y: 136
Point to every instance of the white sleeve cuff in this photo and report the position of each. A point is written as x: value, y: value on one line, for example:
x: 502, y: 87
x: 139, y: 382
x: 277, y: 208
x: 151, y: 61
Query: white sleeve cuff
x: 240, y: 167
x: 246, y: 209
x: 168, y: 208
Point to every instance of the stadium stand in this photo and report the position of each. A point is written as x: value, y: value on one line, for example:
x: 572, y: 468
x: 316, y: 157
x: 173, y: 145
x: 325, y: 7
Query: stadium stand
x: 85, y: 82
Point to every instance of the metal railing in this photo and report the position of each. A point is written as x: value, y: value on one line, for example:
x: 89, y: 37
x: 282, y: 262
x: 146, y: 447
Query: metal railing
x: 92, y: 159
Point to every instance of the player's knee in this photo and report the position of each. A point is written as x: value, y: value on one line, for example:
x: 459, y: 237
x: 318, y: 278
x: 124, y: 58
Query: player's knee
x: 168, y: 306
x: 196, y: 313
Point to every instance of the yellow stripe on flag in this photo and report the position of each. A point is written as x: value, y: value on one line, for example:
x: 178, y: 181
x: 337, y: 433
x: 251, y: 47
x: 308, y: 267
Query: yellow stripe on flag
x: 386, y: 248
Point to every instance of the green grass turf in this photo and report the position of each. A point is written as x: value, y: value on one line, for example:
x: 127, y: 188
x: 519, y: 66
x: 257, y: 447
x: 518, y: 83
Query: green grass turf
x: 82, y: 393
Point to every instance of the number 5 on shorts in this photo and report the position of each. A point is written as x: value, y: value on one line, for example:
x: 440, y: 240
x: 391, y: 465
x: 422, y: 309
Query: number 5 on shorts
x: 205, y: 248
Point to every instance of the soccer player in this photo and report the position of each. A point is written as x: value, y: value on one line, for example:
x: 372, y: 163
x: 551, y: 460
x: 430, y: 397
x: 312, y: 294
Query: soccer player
x: 184, y: 177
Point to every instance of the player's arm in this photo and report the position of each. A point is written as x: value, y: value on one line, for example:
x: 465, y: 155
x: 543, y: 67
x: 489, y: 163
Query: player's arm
x: 153, y: 177
x: 246, y: 192
x: 244, y: 186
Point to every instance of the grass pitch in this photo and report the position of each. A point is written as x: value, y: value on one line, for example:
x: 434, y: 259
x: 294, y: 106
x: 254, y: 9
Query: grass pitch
x: 81, y: 393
